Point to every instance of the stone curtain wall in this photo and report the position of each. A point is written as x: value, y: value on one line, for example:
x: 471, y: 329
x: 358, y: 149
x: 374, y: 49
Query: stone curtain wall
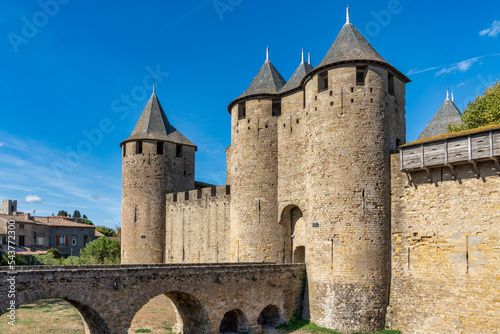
x: 197, y: 226
x: 108, y: 297
x: 445, y: 251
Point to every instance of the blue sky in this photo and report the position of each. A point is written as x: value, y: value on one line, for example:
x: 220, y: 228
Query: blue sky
x: 75, y: 76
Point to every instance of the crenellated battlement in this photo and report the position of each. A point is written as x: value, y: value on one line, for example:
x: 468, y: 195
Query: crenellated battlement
x: 194, y: 195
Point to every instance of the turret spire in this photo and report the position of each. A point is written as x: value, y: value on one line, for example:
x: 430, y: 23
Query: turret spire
x: 309, y: 60
x: 267, y: 53
x: 302, y: 55
x: 154, y: 83
x: 447, y: 93
x: 348, y: 19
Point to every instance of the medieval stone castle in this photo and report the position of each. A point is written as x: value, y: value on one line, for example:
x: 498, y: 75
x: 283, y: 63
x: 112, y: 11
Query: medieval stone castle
x: 407, y: 240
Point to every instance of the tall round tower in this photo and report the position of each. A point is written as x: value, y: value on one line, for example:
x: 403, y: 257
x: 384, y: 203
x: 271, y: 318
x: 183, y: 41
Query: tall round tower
x: 254, y: 170
x: 356, y: 118
x: 157, y: 159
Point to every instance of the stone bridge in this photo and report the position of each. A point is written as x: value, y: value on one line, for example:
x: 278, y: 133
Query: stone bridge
x: 205, y: 295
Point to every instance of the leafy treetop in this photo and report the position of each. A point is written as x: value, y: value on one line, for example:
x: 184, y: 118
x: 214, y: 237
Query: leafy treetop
x: 483, y: 111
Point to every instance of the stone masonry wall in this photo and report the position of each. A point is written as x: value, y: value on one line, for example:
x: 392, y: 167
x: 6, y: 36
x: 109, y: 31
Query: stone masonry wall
x: 445, y: 251
x: 348, y: 198
x: 146, y: 178
x: 256, y: 235
x: 197, y: 226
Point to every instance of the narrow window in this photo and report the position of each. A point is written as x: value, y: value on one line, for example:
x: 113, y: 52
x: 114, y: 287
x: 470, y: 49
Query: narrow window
x: 73, y: 241
x: 323, y: 82
x: 276, y: 107
x: 242, y: 110
x: 85, y: 239
x: 361, y: 75
x: 21, y: 240
x: 135, y: 214
x: 178, y: 150
x: 125, y: 149
x: 159, y: 148
x: 138, y: 147
x: 398, y: 142
x: 390, y: 82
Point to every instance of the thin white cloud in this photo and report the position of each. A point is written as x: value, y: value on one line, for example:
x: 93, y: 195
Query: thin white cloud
x: 492, y: 31
x: 33, y: 199
x: 1, y: 144
x: 462, y: 66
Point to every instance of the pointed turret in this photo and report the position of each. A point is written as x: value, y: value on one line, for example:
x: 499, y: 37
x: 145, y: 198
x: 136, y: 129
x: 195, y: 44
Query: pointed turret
x: 351, y: 46
x: 447, y: 114
x: 267, y: 81
x: 154, y: 125
x: 299, y: 74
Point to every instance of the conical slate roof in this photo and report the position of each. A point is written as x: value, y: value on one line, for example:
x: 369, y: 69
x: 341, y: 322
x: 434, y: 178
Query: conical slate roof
x: 297, y: 76
x: 154, y: 125
x: 447, y: 114
x: 350, y: 45
x: 267, y: 81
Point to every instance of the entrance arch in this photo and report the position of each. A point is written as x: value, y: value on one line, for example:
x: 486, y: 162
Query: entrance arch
x: 67, y: 315
x: 178, y: 311
x: 234, y: 321
x: 270, y: 316
x: 292, y: 220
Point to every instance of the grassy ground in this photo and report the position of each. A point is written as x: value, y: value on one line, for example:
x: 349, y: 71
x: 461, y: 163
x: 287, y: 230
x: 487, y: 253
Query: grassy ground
x: 46, y: 316
x: 56, y: 316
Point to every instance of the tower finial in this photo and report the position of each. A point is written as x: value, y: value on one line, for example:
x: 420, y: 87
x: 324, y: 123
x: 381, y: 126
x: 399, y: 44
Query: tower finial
x: 452, y: 98
x: 267, y: 53
x: 154, y: 83
x: 309, y: 60
x: 302, y: 55
x: 447, y: 93
x: 348, y: 19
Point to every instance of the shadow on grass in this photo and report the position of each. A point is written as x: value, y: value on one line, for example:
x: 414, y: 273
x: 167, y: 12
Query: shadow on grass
x: 305, y: 325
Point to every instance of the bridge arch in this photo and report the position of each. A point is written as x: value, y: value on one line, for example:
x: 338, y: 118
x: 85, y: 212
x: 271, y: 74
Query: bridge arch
x: 234, y: 321
x: 270, y: 316
x: 92, y: 320
x: 191, y: 316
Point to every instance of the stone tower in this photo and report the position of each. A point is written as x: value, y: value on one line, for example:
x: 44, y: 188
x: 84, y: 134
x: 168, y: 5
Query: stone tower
x: 254, y: 169
x: 355, y: 111
x: 157, y: 159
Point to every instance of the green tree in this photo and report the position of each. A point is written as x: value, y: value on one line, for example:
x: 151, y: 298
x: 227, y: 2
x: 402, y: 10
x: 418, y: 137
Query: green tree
x: 483, y: 111
x: 101, y: 251
x: 62, y: 213
x: 18, y: 261
x: 76, y: 214
x: 56, y: 254
x: 109, y: 232
x: 88, y: 222
x: 48, y: 259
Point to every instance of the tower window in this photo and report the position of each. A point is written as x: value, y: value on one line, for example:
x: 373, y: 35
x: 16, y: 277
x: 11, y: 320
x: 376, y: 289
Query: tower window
x: 125, y: 149
x: 323, y: 82
x: 138, y: 147
x: 178, y: 150
x: 242, y: 110
x: 276, y: 107
x: 159, y: 148
x: 390, y: 82
x: 361, y: 75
